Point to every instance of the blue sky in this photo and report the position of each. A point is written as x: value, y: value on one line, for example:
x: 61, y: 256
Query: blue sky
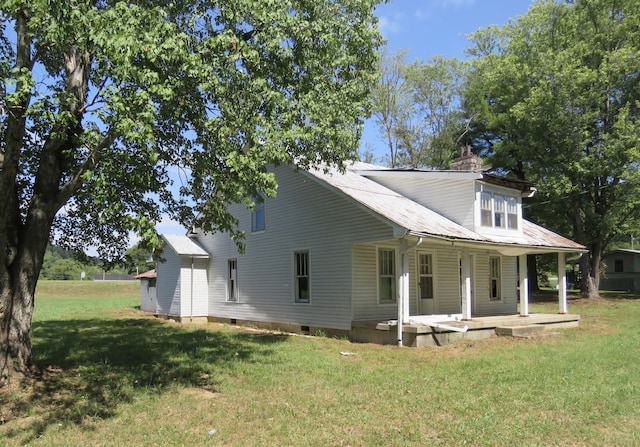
x: 426, y: 28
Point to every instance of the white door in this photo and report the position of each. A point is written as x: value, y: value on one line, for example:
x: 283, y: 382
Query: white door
x: 426, y: 286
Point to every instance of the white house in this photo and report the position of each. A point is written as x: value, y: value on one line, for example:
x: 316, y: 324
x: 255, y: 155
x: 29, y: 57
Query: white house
x: 340, y: 251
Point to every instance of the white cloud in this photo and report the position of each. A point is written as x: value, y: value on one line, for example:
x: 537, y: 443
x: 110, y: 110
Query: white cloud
x: 169, y: 226
x: 457, y: 3
x: 390, y: 24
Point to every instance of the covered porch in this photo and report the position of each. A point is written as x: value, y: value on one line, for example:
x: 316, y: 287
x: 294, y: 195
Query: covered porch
x: 421, y: 330
x: 429, y: 330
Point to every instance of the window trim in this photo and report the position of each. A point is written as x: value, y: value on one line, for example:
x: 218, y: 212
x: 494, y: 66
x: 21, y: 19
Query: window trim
x: 259, y: 206
x: 618, y: 265
x: 497, y: 278
x: 433, y: 275
x: 393, y: 275
x: 296, y: 276
x: 233, y: 281
x: 505, y: 215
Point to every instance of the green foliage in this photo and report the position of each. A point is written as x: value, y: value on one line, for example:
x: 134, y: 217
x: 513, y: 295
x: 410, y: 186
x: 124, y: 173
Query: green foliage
x: 556, y: 94
x: 123, y: 95
x: 417, y: 107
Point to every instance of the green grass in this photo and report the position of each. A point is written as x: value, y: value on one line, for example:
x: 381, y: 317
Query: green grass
x: 116, y: 377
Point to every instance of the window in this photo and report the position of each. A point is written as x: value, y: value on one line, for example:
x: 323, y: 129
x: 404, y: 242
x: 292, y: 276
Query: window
x: 425, y: 271
x: 232, y: 280
x: 301, y: 277
x: 386, y: 276
x: 258, y: 215
x: 486, y: 209
x: 512, y: 213
x: 498, y: 211
x: 618, y: 266
x: 495, y: 292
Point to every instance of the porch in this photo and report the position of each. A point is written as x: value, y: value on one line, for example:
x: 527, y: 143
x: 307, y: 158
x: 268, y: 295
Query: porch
x: 424, y: 331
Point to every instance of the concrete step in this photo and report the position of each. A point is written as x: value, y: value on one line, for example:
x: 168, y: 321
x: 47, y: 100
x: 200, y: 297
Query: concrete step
x: 520, y: 330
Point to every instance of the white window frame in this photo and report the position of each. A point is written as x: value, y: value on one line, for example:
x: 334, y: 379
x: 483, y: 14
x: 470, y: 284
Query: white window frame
x: 492, y: 215
x: 495, y: 279
x: 259, y: 208
x: 232, y: 280
x: 393, y: 275
x: 420, y: 275
x: 301, y: 271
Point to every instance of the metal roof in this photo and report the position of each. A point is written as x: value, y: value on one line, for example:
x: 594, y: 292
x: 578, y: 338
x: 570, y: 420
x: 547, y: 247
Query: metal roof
x: 184, y: 246
x: 411, y: 217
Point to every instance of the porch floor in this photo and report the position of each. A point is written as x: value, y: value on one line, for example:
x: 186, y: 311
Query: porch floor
x: 419, y: 334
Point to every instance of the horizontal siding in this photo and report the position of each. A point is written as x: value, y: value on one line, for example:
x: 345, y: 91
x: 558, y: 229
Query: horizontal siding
x: 453, y: 199
x: 482, y: 305
x: 447, y: 282
x: 304, y: 216
x: 168, y: 283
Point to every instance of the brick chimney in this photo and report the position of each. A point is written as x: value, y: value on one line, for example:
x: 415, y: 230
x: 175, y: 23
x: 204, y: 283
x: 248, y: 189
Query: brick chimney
x: 467, y: 161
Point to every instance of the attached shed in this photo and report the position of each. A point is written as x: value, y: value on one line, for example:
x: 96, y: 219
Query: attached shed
x: 182, y: 291
x: 148, y: 298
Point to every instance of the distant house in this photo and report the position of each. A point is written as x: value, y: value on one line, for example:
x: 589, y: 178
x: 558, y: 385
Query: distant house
x: 622, y: 271
x: 369, y: 250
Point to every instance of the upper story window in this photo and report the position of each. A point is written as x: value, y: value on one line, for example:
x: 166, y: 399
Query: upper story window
x: 498, y: 211
x: 258, y: 215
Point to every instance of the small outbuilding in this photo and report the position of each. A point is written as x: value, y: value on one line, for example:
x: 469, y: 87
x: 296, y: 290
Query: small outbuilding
x: 148, y: 299
x: 182, y: 285
x: 622, y: 272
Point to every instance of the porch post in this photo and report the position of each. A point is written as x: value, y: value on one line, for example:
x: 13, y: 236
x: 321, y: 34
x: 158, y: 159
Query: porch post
x: 562, y: 283
x: 400, y: 295
x: 405, y: 287
x: 524, y: 286
x: 466, y: 285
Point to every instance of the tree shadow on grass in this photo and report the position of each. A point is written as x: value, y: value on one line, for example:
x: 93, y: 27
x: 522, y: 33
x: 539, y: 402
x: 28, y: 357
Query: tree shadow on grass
x: 90, y: 367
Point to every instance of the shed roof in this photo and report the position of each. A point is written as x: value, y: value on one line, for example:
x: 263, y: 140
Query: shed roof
x: 184, y: 246
x: 411, y: 217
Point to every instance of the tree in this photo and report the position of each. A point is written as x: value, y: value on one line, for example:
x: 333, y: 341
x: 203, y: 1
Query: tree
x: 418, y: 109
x: 558, y: 92
x: 105, y: 103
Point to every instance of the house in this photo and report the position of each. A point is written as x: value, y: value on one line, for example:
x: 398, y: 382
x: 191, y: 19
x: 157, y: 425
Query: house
x: 622, y: 270
x: 377, y: 254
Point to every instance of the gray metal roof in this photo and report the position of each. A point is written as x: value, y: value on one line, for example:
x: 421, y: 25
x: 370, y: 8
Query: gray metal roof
x: 411, y: 217
x: 184, y: 246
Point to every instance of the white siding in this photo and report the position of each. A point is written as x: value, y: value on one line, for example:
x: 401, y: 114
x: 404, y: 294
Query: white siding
x: 168, y: 283
x: 304, y: 216
x: 482, y: 305
x: 193, y: 300
x: 452, y: 198
x: 148, y: 295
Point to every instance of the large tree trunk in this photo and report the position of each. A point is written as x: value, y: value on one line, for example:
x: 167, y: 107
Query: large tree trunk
x: 532, y: 273
x: 17, y: 290
x: 590, y: 275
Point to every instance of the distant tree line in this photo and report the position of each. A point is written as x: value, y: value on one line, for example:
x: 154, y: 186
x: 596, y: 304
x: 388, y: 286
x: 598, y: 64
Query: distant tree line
x: 62, y: 264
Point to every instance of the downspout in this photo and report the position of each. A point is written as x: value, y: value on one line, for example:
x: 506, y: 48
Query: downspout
x: 403, y: 296
x: 191, y: 310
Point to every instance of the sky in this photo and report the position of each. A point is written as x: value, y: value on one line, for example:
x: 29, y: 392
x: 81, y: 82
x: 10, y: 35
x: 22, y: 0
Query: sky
x: 424, y: 28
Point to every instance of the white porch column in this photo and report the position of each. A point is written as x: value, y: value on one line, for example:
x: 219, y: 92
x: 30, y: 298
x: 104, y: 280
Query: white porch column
x: 562, y: 284
x: 466, y: 284
x: 524, y: 285
x: 406, y: 301
x: 400, y: 295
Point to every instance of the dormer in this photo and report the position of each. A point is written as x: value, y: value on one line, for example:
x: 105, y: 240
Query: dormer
x: 498, y: 205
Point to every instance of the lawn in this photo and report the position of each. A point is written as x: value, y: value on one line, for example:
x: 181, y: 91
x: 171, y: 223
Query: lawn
x: 113, y: 376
